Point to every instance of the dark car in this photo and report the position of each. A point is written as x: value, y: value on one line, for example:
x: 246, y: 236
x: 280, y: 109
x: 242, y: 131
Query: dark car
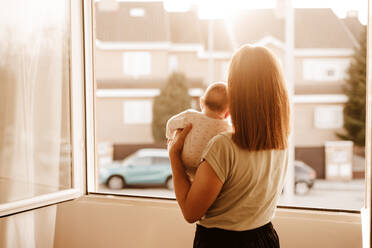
x: 304, y: 177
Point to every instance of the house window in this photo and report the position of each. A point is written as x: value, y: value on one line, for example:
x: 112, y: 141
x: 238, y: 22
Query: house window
x: 224, y: 70
x: 136, y: 64
x: 325, y: 69
x: 137, y: 12
x: 137, y: 112
x: 326, y: 117
x: 172, y: 63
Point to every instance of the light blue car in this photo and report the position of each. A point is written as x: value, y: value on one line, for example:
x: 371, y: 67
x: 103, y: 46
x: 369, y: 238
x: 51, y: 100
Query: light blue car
x: 146, y: 167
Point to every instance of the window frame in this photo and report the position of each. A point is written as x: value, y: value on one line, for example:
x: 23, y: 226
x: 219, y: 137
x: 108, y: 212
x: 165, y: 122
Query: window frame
x: 324, y: 65
x: 91, y: 154
x: 141, y: 62
x: 331, y: 109
x: 77, y: 121
x: 144, y: 105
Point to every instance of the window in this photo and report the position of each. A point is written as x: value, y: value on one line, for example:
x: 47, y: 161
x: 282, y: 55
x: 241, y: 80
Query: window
x: 41, y: 105
x: 172, y: 63
x: 137, y: 64
x: 137, y: 112
x: 328, y: 117
x: 144, y: 161
x: 161, y: 160
x: 325, y: 69
x: 137, y: 12
x: 130, y: 115
x: 224, y: 70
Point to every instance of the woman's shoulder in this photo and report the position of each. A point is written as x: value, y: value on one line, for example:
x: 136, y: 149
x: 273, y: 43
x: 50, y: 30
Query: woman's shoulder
x: 222, y: 139
x: 223, y: 136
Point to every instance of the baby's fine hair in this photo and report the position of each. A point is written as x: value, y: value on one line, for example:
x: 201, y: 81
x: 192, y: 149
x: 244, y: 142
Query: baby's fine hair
x: 216, y: 97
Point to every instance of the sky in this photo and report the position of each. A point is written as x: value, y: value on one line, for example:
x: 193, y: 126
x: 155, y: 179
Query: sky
x: 222, y: 8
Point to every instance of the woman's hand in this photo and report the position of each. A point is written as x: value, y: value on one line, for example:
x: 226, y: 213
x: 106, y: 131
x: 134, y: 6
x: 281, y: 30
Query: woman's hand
x: 175, y: 145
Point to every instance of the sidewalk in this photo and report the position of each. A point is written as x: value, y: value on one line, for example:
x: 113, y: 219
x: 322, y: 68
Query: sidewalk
x: 352, y: 185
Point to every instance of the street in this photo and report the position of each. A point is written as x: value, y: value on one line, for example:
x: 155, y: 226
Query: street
x: 325, y: 195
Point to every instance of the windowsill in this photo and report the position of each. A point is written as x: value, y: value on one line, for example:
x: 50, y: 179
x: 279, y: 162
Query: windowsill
x: 17, y: 190
x: 148, y: 199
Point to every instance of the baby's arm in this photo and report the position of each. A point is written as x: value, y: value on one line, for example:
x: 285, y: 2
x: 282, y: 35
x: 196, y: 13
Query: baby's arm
x: 174, y: 123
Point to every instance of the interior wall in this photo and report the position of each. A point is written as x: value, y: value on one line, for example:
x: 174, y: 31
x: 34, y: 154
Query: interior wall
x: 29, y: 229
x: 102, y: 221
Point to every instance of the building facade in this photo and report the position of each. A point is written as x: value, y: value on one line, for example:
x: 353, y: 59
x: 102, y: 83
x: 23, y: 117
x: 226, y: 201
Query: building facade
x: 140, y: 60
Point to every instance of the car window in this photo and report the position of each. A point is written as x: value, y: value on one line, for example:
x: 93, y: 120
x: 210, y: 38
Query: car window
x: 161, y: 160
x: 142, y: 161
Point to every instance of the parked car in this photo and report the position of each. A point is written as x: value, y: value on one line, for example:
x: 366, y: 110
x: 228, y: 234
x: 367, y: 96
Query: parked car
x: 152, y: 167
x: 304, y: 177
x: 145, y: 167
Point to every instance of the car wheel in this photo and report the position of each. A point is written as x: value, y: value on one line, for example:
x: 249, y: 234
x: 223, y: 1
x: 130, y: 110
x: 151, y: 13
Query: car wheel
x: 169, y: 183
x: 301, y: 188
x: 116, y: 182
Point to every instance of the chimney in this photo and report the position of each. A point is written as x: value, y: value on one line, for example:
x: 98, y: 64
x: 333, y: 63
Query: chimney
x: 108, y: 5
x: 352, y: 14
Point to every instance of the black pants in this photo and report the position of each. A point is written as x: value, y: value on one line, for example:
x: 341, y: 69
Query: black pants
x: 264, y: 236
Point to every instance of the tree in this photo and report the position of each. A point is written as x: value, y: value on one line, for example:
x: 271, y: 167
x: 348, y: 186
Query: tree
x: 173, y: 99
x: 355, y: 89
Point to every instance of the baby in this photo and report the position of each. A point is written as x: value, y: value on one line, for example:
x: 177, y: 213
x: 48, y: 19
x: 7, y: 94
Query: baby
x: 205, y: 125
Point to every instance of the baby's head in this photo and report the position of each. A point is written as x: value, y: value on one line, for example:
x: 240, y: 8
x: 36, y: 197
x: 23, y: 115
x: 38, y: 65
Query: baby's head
x: 215, y: 99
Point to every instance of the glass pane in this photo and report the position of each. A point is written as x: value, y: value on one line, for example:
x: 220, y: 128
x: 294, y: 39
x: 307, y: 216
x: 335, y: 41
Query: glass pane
x: 35, y: 133
x: 135, y: 65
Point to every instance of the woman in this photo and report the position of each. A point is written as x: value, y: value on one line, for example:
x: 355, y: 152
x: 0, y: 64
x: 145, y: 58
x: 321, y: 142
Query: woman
x: 238, y: 184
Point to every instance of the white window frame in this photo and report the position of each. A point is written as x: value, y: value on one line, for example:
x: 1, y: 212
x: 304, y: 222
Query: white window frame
x: 318, y: 115
x: 131, y: 105
x: 172, y: 63
x: 137, y: 64
x: 225, y: 70
x: 366, y: 212
x: 137, y: 12
x: 312, y: 69
x: 77, y: 123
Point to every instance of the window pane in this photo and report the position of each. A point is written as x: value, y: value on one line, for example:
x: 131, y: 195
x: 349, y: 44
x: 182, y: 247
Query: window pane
x: 35, y: 134
x: 136, y: 55
x: 325, y: 69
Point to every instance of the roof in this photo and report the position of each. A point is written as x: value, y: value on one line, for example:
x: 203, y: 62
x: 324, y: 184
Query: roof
x: 355, y: 27
x: 314, y: 28
x: 119, y: 25
x: 178, y: 21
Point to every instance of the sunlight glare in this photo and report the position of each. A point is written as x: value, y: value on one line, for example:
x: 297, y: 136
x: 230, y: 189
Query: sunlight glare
x: 211, y: 9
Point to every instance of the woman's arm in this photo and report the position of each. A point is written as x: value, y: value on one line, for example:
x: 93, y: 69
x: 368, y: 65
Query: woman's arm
x: 194, y: 199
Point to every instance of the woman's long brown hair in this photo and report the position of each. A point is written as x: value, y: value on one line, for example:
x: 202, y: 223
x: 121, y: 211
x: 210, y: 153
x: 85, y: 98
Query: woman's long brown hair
x: 258, y: 100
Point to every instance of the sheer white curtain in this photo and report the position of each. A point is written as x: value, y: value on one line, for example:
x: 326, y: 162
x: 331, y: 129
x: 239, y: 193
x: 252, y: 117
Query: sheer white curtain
x: 34, y: 113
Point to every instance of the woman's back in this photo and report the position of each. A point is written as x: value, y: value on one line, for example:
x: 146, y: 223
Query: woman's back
x: 252, y: 184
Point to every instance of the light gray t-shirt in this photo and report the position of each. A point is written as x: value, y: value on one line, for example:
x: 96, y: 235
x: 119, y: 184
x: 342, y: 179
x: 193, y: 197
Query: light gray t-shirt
x: 252, y: 184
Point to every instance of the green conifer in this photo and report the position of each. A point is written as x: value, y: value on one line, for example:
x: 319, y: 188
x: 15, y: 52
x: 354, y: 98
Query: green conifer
x: 173, y: 99
x: 355, y: 89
